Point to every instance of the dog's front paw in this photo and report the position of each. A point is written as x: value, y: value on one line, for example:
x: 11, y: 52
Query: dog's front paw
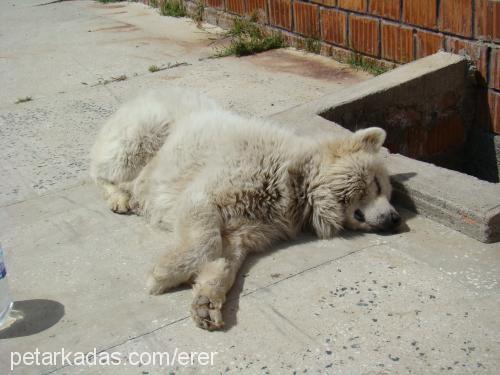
x: 207, y: 313
x: 118, y: 202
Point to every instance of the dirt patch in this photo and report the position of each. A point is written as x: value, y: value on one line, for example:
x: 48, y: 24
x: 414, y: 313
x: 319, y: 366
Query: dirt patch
x: 187, y: 46
x: 106, y: 6
x: 292, y: 62
x: 122, y: 27
x: 168, y: 78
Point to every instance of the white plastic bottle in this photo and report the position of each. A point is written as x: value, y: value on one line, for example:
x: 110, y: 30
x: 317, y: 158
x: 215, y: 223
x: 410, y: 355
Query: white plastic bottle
x: 5, y: 300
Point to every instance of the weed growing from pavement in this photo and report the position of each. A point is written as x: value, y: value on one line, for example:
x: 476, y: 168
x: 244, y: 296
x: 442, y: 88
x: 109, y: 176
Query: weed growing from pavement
x: 119, y: 78
x: 247, y: 38
x: 197, y: 14
x: 312, y: 45
x: 357, y: 62
x: 156, y: 68
x: 24, y: 99
x: 173, y: 8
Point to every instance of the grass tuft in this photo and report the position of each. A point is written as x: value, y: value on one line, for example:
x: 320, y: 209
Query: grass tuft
x: 312, y: 45
x: 173, y: 8
x: 119, y: 78
x: 247, y: 38
x: 24, y: 99
x: 357, y: 62
x: 199, y: 11
x: 154, y: 68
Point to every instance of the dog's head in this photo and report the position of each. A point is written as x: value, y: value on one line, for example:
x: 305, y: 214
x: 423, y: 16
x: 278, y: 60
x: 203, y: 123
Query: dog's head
x: 353, y: 186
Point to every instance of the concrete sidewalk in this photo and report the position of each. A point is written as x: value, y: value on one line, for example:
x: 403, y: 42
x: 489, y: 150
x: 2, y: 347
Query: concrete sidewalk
x: 423, y: 301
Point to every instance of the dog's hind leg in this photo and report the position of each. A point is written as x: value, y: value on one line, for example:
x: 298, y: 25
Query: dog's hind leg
x: 120, y: 154
x: 116, y: 198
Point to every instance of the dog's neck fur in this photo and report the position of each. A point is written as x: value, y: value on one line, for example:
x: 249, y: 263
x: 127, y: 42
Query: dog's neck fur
x: 318, y: 206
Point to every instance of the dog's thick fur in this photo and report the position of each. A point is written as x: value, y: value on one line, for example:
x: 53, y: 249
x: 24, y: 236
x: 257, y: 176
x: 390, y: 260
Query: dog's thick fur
x: 227, y: 185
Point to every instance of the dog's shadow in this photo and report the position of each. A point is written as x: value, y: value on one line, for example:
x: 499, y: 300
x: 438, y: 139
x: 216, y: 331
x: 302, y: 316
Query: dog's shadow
x: 232, y: 305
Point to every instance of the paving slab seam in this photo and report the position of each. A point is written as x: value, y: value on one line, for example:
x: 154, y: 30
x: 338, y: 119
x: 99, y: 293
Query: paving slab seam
x: 55, y: 193
x: 242, y: 295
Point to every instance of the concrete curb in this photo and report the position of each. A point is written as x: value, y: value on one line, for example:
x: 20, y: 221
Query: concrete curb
x: 457, y: 200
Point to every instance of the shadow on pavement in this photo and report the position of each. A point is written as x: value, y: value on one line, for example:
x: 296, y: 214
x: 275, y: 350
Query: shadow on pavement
x: 34, y: 316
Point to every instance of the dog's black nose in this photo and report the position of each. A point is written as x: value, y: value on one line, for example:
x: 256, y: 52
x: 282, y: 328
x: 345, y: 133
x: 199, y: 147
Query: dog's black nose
x: 391, y: 221
x: 396, y: 219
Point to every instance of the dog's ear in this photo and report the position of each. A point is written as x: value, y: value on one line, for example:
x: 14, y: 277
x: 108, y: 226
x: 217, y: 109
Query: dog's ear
x: 369, y: 139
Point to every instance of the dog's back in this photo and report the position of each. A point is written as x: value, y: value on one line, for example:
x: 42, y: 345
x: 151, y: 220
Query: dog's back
x: 133, y: 135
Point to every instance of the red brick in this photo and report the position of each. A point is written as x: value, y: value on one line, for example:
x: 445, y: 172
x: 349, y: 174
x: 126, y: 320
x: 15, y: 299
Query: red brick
x: 495, y: 69
x: 420, y: 13
x: 280, y: 13
x: 397, y: 43
x: 456, y: 17
x: 487, y: 20
x: 494, y: 107
x: 334, y: 26
x: 214, y: 3
x: 306, y: 19
x: 357, y: 5
x: 328, y: 3
x: 253, y: 5
x: 385, y: 8
x: 428, y: 43
x: 235, y: 6
x: 477, y: 52
x: 415, y: 139
x: 257, y: 7
x: 363, y: 35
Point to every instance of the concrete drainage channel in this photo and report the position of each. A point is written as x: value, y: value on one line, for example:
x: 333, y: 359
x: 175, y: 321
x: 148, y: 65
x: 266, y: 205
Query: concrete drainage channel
x: 425, y: 108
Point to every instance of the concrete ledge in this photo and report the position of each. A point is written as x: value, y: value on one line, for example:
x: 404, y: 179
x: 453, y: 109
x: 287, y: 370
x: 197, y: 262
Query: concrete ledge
x: 457, y: 200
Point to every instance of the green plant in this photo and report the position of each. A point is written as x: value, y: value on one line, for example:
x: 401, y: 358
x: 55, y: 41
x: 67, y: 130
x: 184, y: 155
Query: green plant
x: 24, y: 99
x: 360, y: 63
x: 173, y: 8
x: 101, y: 81
x: 153, y: 3
x: 312, y: 45
x: 198, y: 12
x: 154, y: 68
x: 247, y: 38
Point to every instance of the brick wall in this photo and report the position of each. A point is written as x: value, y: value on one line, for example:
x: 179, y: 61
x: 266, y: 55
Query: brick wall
x: 388, y: 32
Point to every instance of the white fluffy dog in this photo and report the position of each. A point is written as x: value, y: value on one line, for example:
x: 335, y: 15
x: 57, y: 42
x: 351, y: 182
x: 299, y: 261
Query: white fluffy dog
x: 226, y: 186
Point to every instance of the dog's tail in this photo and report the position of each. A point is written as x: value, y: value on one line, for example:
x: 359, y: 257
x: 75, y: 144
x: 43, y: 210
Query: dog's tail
x: 133, y: 135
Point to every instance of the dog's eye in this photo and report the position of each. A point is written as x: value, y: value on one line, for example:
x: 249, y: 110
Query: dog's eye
x: 377, y: 184
x: 359, y: 216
